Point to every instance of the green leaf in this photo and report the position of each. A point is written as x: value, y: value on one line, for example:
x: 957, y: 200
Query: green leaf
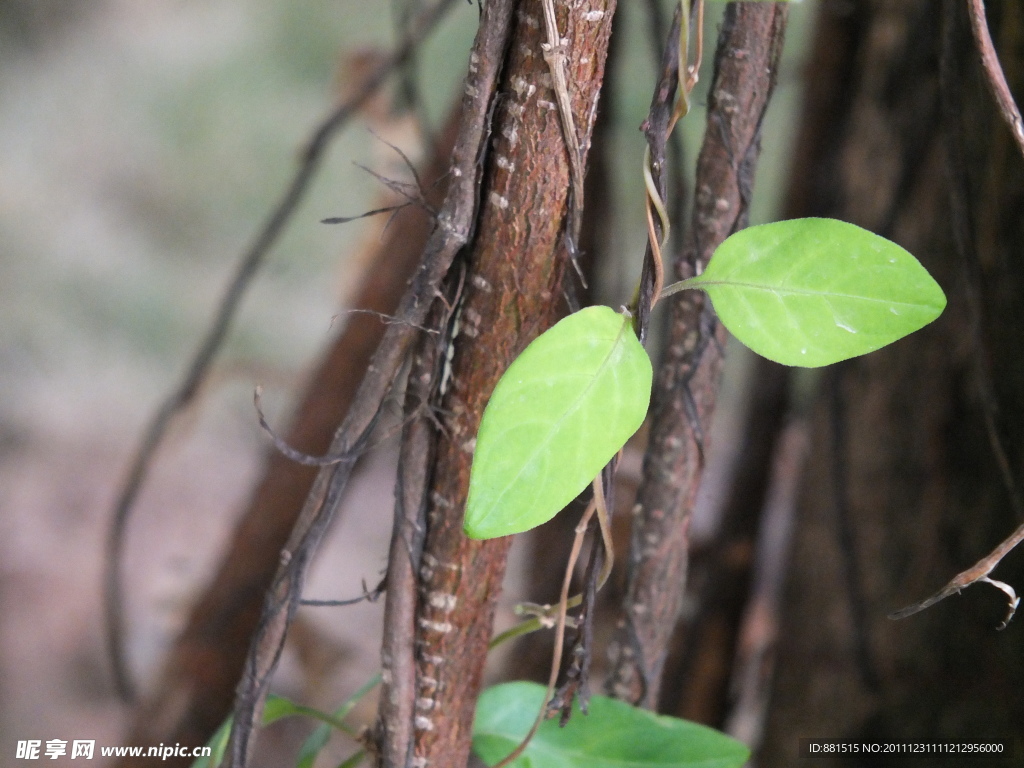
x: 218, y: 745
x: 278, y: 707
x: 562, y: 410
x: 318, y: 739
x: 613, y: 735
x: 353, y: 760
x: 811, y: 292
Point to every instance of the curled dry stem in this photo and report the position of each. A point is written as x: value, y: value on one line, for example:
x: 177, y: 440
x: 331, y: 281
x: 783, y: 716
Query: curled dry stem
x: 682, y: 107
x: 977, y: 573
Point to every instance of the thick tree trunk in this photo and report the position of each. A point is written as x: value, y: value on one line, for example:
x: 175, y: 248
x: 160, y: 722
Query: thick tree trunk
x: 904, y: 489
x: 510, y: 293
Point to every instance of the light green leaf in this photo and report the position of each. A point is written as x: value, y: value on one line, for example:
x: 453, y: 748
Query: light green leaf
x: 562, y: 410
x: 811, y: 292
x: 613, y: 735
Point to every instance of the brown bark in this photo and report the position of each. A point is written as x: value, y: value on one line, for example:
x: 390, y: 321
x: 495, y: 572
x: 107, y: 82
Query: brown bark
x: 901, y: 458
x: 746, y: 62
x: 197, y: 685
x: 531, y: 657
x: 510, y: 295
x: 696, y: 681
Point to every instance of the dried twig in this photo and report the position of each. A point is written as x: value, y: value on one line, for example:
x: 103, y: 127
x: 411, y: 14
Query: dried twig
x: 657, y: 128
x: 994, y: 75
x: 455, y: 227
x: 196, y: 686
x: 977, y: 573
x: 282, y: 446
x: 576, y: 678
x: 368, y: 596
x: 188, y: 388
x: 367, y: 214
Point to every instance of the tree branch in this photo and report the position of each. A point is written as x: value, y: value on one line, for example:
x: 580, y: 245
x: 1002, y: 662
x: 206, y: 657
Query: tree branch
x: 746, y: 67
x: 511, y: 296
x: 994, y: 76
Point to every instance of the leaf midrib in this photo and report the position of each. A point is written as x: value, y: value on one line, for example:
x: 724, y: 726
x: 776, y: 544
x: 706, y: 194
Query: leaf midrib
x: 805, y: 292
x: 569, y: 412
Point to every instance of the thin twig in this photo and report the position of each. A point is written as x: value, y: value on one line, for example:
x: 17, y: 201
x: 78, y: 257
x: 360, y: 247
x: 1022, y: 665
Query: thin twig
x: 286, y: 450
x: 416, y: 456
x: 575, y: 683
x: 367, y: 214
x: 657, y: 24
x: 979, y: 572
x: 368, y: 596
x: 198, y: 369
x: 994, y: 75
x: 658, y: 236
x: 405, y: 159
x: 385, y: 318
x: 305, y: 459
x: 400, y: 188
x: 656, y: 130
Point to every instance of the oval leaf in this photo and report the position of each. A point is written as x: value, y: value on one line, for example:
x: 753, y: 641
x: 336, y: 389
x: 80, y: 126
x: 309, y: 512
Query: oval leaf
x: 562, y: 410
x: 613, y: 735
x: 811, y: 292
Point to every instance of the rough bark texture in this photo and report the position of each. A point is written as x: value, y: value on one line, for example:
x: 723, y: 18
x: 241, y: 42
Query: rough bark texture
x: 197, y: 685
x: 510, y: 295
x: 530, y: 658
x: 746, y: 62
x: 904, y: 489
x: 697, y: 675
